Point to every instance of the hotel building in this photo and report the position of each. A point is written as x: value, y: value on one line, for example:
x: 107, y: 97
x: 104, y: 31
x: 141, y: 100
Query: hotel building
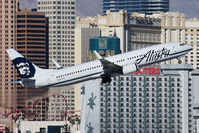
x: 8, y: 9
x: 61, y: 14
x: 150, y: 100
x: 192, y: 38
x: 32, y: 42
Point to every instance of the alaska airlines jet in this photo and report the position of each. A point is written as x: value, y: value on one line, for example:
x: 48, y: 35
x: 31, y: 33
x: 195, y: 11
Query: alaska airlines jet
x: 104, y: 68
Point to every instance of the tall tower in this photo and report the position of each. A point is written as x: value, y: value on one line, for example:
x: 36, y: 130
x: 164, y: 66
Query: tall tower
x: 61, y: 14
x: 32, y: 36
x: 141, y: 6
x: 32, y: 42
x: 8, y: 9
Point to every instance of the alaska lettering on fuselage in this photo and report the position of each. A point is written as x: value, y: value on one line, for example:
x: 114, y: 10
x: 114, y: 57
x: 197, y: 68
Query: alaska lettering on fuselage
x: 153, y: 55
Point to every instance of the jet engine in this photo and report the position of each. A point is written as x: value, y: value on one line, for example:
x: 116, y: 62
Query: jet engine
x: 129, y: 68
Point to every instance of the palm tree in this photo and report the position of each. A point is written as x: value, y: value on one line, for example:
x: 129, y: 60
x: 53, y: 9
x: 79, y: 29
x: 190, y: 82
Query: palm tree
x: 66, y: 128
x: 71, y: 120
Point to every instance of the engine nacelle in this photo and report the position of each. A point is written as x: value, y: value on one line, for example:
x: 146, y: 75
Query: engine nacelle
x: 129, y: 68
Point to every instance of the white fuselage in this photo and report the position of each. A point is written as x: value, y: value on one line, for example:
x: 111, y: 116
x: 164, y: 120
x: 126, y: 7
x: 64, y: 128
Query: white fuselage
x: 94, y: 69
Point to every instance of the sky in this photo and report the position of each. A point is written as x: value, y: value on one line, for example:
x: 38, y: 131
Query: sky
x: 93, y: 7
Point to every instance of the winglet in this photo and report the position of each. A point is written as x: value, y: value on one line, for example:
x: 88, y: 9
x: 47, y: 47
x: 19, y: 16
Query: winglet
x: 57, y: 65
x: 98, y: 55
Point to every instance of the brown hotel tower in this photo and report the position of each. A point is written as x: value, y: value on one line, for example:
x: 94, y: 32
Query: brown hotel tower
x: 8, y: 9
x: 32, y: 42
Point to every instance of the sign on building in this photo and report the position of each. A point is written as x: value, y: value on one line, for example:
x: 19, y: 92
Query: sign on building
x: 2, y: 128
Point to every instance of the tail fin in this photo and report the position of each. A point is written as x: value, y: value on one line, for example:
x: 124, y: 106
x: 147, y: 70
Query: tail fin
x: 25, y: 68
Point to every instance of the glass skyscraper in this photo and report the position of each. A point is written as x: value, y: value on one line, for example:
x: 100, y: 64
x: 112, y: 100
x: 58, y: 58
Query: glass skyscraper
x: 140, y: 6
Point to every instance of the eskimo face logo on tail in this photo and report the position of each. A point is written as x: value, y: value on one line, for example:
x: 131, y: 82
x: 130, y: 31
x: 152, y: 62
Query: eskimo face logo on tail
x: 24, y: 67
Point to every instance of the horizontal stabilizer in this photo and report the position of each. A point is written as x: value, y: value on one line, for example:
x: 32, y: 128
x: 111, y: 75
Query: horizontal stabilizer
x: 24, y: 82
x: 15, y: 82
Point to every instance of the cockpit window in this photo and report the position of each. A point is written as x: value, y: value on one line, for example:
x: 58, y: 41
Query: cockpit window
x: 182, y: 44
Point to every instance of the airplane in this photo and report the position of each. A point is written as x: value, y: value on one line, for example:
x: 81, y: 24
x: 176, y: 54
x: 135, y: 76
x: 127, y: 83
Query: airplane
x: 104, y: 68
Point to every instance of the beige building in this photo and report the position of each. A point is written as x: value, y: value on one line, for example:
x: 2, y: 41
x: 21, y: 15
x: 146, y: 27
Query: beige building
x: 61, y: 104
x: 8, y: 9
x: 135, y: 31
x: 142, y: 31
x: 61, y: 14
x: 85, y: 29
x: 192, y: 38
x: 172, y: 29
x: 112, y: 24
x: 168, y: 27
x: 139, y: 30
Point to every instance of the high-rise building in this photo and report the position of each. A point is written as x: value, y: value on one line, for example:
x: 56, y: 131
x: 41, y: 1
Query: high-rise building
x: 62, y: 106
x: 140, y: 102
x: 32, y: 36
x: 165, y: 27
x: 61, y: 14
x: 142, y: 31
x: 192, y: 38
x: 173, y: 27
x: 173, y: 30
x: 32, y: 42
x: 8, y: 9
x: 154, y: 99
x: 141, y: 6
x: 195, y: 92
x: 84, y: 30
x: 113, y: 24
x: 134, y: 30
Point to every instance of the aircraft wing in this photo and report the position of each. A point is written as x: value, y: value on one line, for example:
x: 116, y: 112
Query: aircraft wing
x: 110, y: 69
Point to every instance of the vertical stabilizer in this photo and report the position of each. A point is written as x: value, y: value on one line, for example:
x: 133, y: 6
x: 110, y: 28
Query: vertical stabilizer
x: 25, y: 68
